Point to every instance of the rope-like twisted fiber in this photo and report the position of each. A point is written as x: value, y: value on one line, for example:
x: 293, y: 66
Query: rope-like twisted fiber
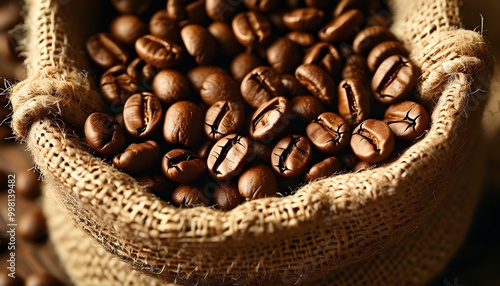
x: 327, y: 224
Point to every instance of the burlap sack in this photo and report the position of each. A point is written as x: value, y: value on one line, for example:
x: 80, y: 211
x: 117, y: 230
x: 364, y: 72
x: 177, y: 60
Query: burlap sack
x: 326, y: 225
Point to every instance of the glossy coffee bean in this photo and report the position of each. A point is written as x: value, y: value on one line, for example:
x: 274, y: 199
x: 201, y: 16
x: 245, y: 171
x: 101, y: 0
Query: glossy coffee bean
x: 183, y: 166
x: 382, y: 51
x: 157, y: 52
x: 258, y: 181
x: 325, y: 56
x: 142, y: 73
x: 317, y: 81
x: 142, y: 115
x: 42, y: 279
x: 292, y: 85
x: 261, y: 85
x: 346, y: 5
x: 342, y: 28
x: 252, y: 29
x: 198, y: 74
x: 6, y: 280
x: 221, y: 10
x: 170, y: 86
x: 394, y: 79
x: 189, y: 196
x: 186, y: 12
x: 157, y: 184
x: 322, y: 169
x: 291, y: 155
x: 303, y: 19
x: 306, y: 107
x: 219, y: 86
x: 369, y: 37
x: 183, y: 124
x: 356, y: 68
x: 226, y: 41
x: 117, y: 85
x: 229, y: 156
x: 244, y: 63
x: 32, y: 226
x: 28, y: 184
x: 408, y: 120
x: 353, y: 101
x: 138, y: 157
x: 106, y: 52
x: 372, y: 141
x: 199, y: 43
x: 283, y: 55
x: 204, y: 149
x: 127, y: 29
x: 227, y: 197
x: 304, y: 40
x: 103, y: 134
x: 362, y: 166
x: 224, y: 118
x: 165, y: 28
x: 329, y: 132
x: 131, y: 6
x: 270, y: 120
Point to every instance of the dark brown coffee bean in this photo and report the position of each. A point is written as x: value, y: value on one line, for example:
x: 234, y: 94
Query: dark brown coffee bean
x: 342, y: 28
x: 142, y: 115
x: 229, y: 156
x: 252, y: 29
x: 379, y: 19
x: 32, y: 226
x: 138, y: 157
x: 408, y: 120
x: 131, y: 6
x: 356, y: 68
x: 382, y: 51
x: 227, y: 43
x: 104, y: 135
x: 362, y: 166
x: 372, y: 141
x: 6, y: 280
x: 219, y: 86
x: 156, y: 184
x: 223, y: 118
x: 394, y: 79
x: 221, y: 10
x: 142, y: 73
x: 244, y: 63
x: 304, y: 40
x: 204, y: 149
x: 157, y: 52
x: 346, y: 5
x: 264, y: 6
x: 291, y: 155
x: 199, y: 43
x: 127, y: 29
x: 370, y: 37
x: 27, y: 184
x: 258, y: 181
x: 198, y: 74
x: 303, y: 19
x: 323, y: 169
x: 306, y: 107
x: 165, y: 28
x: 270, y: 120
x: 276, y: 20
x: 353, y: 101
x: 170, y: 86
x: 42, y: 279
x: 227, y: 197
x: 329, y: 132
x: 186, y: 12
x: 183, y: 166
x: 117, y: 85
x: 183, y: 124
x: 105, y: 52
x: 326, y: 56
x: 283, y: 55
x: 262, y: 152
x: 317, y: 81
x: 292, y: 85
x: 189, y: 196
x: 349, y: 159
x: 261, y: 85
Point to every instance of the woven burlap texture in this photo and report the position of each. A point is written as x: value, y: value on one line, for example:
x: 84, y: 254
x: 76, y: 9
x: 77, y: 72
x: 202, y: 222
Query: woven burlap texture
x: 324, y: 226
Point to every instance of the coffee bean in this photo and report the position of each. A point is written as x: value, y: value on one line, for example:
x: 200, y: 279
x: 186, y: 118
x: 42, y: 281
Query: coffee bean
x: 349, y: 159
x: 372, y: 141
x: 157, y: 52
x: 28, y: 184
x: 142, y: 73
x: 379, y: 19
x: 42, y: 279
x: 32, y: 226
x: 394, y: 79
x: 127, y: 29
x: 229, y: 156
x: 382, y: 51
x: 370, y: 37
x: 103, y: 134
x: 142, y: 115
x: 252, y: 29
x: 292, y: 85
x: 329, y: 132
x: 258, y: 181
x: 138, y: 157
x: 227, y: 197
x: 261, y: 85
x: 342, y: 28
x: 317, y: 81
x: 131, y: 6
x: 199, y: 43
x: 223, y: 118
x: 362, y: 166
x: 170, y: 86
x: 165, y: 28
x: 303, y: 19
x: 408, y: 120
x: 219, y: 86
x: 346, y: 5
x: 306, y: 107
x: 227, y: 43
x: 10, y: 14
x: 183, y: 166
x: 183, y: 124
x: 262, y: 152
x: 117, y: 85
x: 186, y: 12
x: 304, y: 40
x: 221, y: 10
x: 105, y: 52
x: 353, y: 101
x: 356, y: 68
x: 284, y: 55
x: 6, y: 280
x: 325, y: 56
x: 198, y: 74
x: 264, y: 6
x: 189, y: 196
x: 270, y: 120
x: 291, y: 155
x: 157, y: 184
x: 204, y: 149
x: 244, y: 63
x: 325, y: 168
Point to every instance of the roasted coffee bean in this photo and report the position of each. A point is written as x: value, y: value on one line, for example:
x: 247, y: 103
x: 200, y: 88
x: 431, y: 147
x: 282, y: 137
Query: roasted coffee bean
x: 127, y: 29
x: 303, y: 19
x: 186, y: 12
x: 32, y: 226
x: 362, y: 166
x: 170, y: 86
x: 223, y: 118
x: 117, y: 85
x: 252, y: 29
x: 204, y: 149
x: 379, y: 19
x: 131, y: 6
x: 262, y: 152
x: 382, y: 51
x: 6, y: 280
x: 157, y: 52
x: 105, y: 52
x: 346, y: 5
x: 221, y: 10
x: 261, y: 85
x: 276, y: 20
x: 165, y: 28
x: 292, y: 85
x: 306, y: 107
x: 356, y: 68
x: 353, y: 101
x: 317, y: 81
x: 229, y: 156
x: 370, y: 37
x: 349, y: 159
x: 142, y: 73
x: 219, y: 86
x: 270, y: 120
x: 325, y: 168
x: 104, y: 135
x: 283, y: 55
x: 372, y: 141
x: 198, y: 74
x: 199, y: 43
x: 258, y: 181
x: 157, y: 184
x: 142, y: 115
x: 227, y: 197
x: 189, y: 196
x: 394, y: 79
x: 27, y: 185
x: 291, y: 155
x: 326, y: 56
x: 264, y: 6
x: 407, y: 120
x: 329, y: 132
x: 42, y: 279
x: 304, y: 40
x: 227, y: 43
x: 244, y: 63
x: 183, y: 124
x: 138, y: 157
x: 183, y: 166
x: 342, y: 28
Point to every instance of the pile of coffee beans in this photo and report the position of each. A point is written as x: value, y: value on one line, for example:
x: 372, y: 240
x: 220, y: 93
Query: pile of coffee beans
x: 216, y: 102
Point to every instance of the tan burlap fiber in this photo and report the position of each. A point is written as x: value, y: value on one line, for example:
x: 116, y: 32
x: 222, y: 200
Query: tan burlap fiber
x: 326, y: 225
